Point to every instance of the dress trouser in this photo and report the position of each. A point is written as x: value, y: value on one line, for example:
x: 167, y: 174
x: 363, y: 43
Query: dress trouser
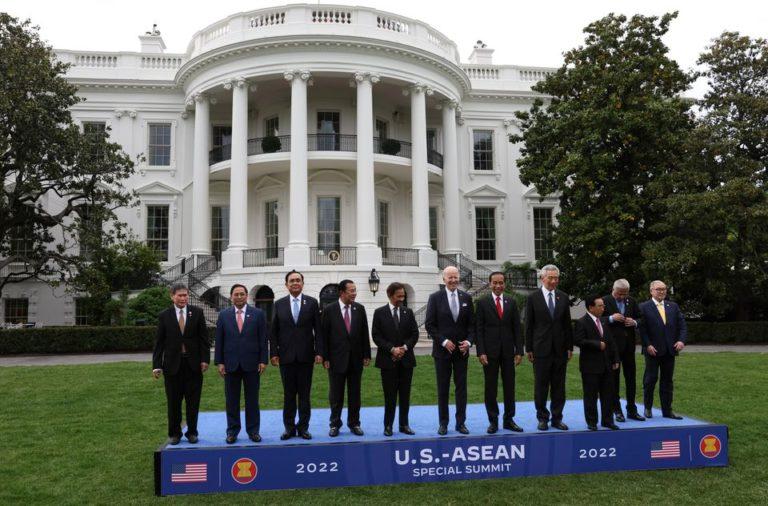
x: 629, y: 367
x: 187, y: 385
x: 232, y: 382
x: 456, y: 364
x: 491, y: 372
x: 666, y: 364
x: 598, y: 385
x: 351, y: 378
x: 297, y: 382
x: 396, y: 383
x: 549, y: 379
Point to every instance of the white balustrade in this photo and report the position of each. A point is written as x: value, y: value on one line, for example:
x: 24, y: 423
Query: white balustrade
x: 332, y: 16
x: 267, y: 19
x: 392, y: 24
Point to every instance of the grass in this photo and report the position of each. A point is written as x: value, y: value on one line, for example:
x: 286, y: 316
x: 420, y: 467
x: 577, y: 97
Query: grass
x: 86, y: 434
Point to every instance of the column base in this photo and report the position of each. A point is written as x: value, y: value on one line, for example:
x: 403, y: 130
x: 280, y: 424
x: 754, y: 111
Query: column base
x: 428, y: 258
x: 296, y: 256
x: 231, y: 259
x: 369, y: 256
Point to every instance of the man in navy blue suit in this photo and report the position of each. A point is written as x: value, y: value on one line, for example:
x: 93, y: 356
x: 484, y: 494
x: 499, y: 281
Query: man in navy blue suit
x: 241, y: 357
x: 663, y: 332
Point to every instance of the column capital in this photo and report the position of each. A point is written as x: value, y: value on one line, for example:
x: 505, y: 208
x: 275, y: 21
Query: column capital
x: 449, y: 103
x: 418, y: 88
x: 119, y: 113
x: 238, y: 81
x: 361, y: 76
x: 304, y: 75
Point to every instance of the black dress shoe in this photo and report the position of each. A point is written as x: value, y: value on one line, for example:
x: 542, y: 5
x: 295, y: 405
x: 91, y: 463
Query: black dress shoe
x: 356, y: 430
x: 620, y: 418
x: 304, y: 434
x: 493, y: 428
x: 462, y: 429
x: 591, y: 427
x: 231, y: 438
x: 611, y: 426
x: 648, y: 413
x: 333, y: 432
x: 192, y: 438
x: 174, y: 440
x: 559, y: 426
x: 254, y: 437
x: 388, y: 430
x: 542, y: 426
x: 673, y: 416
x: 286, y: 435
x: 442, y: 430
x: 511, y: 425
x: 636, y: 416
x: 405, y: 429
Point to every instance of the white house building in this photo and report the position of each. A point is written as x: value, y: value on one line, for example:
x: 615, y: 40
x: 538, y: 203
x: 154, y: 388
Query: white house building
x: 330, y: 139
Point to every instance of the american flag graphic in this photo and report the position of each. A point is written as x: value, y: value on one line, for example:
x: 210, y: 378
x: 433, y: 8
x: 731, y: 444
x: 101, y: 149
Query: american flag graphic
x: 189, y: 473
x: 665, y: 450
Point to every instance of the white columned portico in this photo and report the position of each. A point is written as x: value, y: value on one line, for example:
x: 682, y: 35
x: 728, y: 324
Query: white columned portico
x: 420, y: 176
x: 297, y: 250
x: 451, y: 179
x: 368, y: 251
x: 201, y: 209
x: 232, y: 258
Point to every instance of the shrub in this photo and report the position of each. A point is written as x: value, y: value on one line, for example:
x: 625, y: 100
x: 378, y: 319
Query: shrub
x: 271, y: 144
x: 390, y: 146
x: 76, y: 339
x: 146, y: 306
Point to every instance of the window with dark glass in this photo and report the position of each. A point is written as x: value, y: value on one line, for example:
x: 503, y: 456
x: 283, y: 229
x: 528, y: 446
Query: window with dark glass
x: 483, y: 149
x: 90, y: 230
x: 82, y: 311
x: 383, y: 226
x: 271, y: 228
x: 159, y: 144
x: 272, y: 126
x: 222, y: 136
x: 433, y: 227
x: 329, y: 223
x: 485, y: 233
x: 542, y: 232
x: 157, y: 230
x: 328, y: 127
x: 382, y: 129
x: 219, y: 230
x: 17, y: 311
x: 20, y: 242
x: 94, y: 127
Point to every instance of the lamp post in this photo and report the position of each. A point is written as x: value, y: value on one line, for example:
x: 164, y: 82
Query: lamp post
x: 373, y: 282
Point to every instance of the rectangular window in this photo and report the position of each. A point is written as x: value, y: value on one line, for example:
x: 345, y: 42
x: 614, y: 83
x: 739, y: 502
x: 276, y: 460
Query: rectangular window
x: 431, y: 139
x: 21, y: 242
x: 433, y: 227
x: 382, y: 129
x: 542, y: 233
x: 222, y: 136
x: 383, y: 223
x: 157, y: 230
x: 272, y: 126
x: 82, y: 311
x: 328, y: 127
x: 159, y: 144
x: 329, y: 223
x: 90, y: 230
x: 219, y: 230
x: 16, y: 311
x: 94, y: 127
x: 271, y: 228
x: 483, y: 149
x: 485, y: 233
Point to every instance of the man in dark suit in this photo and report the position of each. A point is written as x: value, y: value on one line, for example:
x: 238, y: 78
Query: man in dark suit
x: 499, y: 348
x: 663, y: 332
x: 395, y: 333
x: 622, y: 319
x: 182, y: 353
x: 597, y: 359
x: 241, y: 356
x: 294, y: 344
x: 346, y: 350
x: 450, y: 323
x: 549, y: 345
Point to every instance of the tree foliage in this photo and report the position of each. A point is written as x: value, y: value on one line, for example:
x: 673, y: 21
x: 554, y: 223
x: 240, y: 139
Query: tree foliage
x: 613, y: 127
x: 145, y: 307
x: 52, y: 172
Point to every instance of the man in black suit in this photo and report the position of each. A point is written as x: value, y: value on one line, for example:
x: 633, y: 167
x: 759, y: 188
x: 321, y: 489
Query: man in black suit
x: 623, y: 314
x: 549, y: 345
x: 182, y: 353
x: 499, y: 348
x: 241, y: 356
x: 395, y: 333
x: 346, y: 350
x: 450, y: 323
x: 294, y: 344
x: 597, y: 359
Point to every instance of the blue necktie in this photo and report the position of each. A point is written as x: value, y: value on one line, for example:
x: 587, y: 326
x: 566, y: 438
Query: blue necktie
x: 551, y: 305
x: 295, y: 311
x: 454, y: 306
x: 620, y: 304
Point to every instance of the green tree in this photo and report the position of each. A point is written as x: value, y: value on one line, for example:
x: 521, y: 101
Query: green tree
x: 613, y: 125
x: 714, y: 236
x: 146, y: 306
x: 54, y: 175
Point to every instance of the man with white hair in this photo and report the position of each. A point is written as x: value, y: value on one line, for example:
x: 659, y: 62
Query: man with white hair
x: 450, y: 323
x: 622, y: 317
x: 549, y: 346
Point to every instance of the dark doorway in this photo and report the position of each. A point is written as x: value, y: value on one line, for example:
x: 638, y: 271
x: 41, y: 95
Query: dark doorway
x: 264, y: 299
x: 329, y: 294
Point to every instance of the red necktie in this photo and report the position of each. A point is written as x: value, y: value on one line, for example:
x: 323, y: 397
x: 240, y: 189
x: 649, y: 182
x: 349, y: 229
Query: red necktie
x: 599, y: 326
x: 240, y: 320
x: 347, y: 322
x: 499, y: 311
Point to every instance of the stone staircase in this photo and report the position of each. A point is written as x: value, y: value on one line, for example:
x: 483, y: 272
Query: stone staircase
x: 194, y: 271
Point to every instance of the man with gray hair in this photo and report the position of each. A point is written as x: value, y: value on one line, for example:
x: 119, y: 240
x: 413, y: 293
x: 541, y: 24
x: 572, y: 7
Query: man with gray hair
x: 549, y: 346
x: 622, y: 314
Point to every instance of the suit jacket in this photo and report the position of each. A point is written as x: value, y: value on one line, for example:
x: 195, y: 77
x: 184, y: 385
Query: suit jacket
x: 545, y: 335
x: 344, y: 349
x: 654, y: 332
x: 387, y: 336
x: 247, y: 348
x: 296, y: 341
x: 591, y: 358
x: 440, y: 325
x: 621, y: 334
x: 167, y: 352
x: 496, y: 336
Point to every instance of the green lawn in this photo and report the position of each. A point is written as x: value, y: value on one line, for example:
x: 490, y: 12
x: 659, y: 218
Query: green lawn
x: 86, y: 434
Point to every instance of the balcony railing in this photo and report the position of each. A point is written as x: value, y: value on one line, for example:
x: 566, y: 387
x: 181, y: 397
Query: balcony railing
x: 219, y: 154
x: 392, y: 147
x: 345, y: 255
x: 264, y: 145
x: 331, y: 142
x: 435, y: 158
x: 400, y: 256
x: 262, y: 257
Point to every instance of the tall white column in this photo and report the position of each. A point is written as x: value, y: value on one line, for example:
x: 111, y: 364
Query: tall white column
x: 419, y: 175
x: 451, y: 179
x: 297, y: 251
x: 201, y: 209
x: 232, y: 258
x: 368, y: 251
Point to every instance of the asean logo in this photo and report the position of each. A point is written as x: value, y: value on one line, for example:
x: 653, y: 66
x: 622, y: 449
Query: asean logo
x: 244, y: 471
x: 710, y: 446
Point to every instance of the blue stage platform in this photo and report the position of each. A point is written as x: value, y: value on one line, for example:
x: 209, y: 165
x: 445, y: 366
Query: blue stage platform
x: 374, y: 459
